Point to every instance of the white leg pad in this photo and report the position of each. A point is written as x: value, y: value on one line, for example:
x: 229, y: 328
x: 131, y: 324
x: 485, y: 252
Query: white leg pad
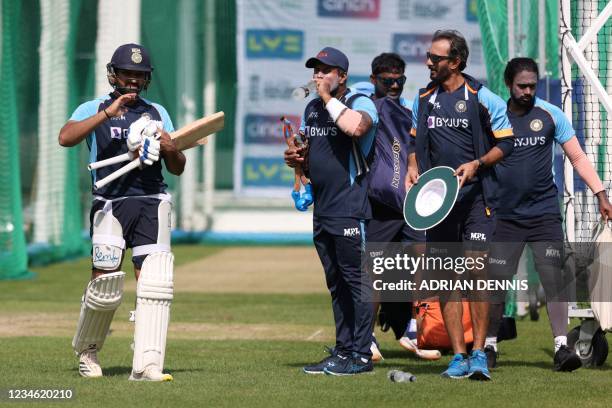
x: 102, y: 297
x: 154, y: 294
x: 107, y: 240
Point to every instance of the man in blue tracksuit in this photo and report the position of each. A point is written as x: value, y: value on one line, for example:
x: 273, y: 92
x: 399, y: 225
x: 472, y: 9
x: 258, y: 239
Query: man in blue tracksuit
x: 459, y: 123
x: 340, y: 126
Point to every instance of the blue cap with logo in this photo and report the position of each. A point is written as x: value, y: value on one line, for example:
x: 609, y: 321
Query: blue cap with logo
x: 330, y: 56
x: 132, y: 57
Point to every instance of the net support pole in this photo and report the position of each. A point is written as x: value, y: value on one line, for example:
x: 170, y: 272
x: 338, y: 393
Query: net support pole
x: 566, y: 97
x: 542, y: 37
x: 511, y: 20
x: 591, y: 32
x: 210, y: 106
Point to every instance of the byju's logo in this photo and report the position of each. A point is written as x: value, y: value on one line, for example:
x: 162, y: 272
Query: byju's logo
x: 436, y: 122
x: 283, y: 44
x: 349, y: 8
x: 412, y: 47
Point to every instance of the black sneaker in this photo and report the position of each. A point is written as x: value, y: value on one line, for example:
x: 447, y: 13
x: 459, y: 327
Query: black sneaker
x: 349, y: 366
x: 318, y: 368
x: 491, y: 356
x: 566, y: 359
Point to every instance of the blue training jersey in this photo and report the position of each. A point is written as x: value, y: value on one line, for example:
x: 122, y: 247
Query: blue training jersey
x: 451, y: 141
x: 526, y: 181
x: 109, y: 139
x: 338, y: 189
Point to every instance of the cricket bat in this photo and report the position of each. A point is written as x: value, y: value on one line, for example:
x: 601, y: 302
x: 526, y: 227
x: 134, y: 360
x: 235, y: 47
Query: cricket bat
x: 191, y: 135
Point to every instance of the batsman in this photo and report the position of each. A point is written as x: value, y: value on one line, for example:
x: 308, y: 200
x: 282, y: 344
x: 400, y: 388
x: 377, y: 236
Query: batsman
x: 132, y: 211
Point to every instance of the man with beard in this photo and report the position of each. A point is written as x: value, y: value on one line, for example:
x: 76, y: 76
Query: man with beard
x: 528, y: 210
x: 461, y: 124
x: 340, y: 126
x: 387, y: 224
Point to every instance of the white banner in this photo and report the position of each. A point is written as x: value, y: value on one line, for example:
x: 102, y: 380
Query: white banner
x: 276, y: 37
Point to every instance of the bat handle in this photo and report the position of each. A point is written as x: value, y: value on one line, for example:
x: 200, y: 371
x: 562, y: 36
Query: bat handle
x: 107, y: 162
x: 117, y: 173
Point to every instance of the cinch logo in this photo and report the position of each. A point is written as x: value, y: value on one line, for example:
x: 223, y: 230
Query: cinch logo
x: 530, y: 141
x: 283, y: 44
x: 478, y: 236
x: 266, y: 129
x: 349, y: 8
x: 412, y: 47
x: 436, y: 122
x: 351, y: 232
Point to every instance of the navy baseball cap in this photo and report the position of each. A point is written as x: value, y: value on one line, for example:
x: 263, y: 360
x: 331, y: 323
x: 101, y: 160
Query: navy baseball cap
x: 330, y: 56
x: 133, y: 57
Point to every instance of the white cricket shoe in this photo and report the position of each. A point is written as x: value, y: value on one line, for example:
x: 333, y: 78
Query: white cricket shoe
x: 411, y: 345
x: 89, y: 366
x: 151, y: 373
x: 376, y: 354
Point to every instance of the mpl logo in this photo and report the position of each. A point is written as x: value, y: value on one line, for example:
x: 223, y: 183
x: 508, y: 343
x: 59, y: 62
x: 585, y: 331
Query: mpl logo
x: 478, y: 236
x: 265, y: 129
x: 412, y: 47
x: 349, y: 8
x: 553, y: 252
x: 279, y: 44
x: 351, y: 232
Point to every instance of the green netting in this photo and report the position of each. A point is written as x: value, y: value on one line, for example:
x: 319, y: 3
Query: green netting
x: 493, y: 20
x: 13, y: 256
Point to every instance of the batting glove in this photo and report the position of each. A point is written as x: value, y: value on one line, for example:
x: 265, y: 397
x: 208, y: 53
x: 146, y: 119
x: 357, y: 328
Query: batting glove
x: 149, y: 150
x: 134, y: 139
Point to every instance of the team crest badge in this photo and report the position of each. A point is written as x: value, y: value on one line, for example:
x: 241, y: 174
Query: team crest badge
x: 136, y: 56
x: 461, y: 106
x: 536, y: 125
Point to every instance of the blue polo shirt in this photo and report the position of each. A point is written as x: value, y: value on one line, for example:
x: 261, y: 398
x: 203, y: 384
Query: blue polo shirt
x: 526, y: 181
x: 109, y: 139
x: 334, y: 159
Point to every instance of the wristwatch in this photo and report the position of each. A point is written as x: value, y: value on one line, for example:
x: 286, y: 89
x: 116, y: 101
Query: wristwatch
x: 481, y: 164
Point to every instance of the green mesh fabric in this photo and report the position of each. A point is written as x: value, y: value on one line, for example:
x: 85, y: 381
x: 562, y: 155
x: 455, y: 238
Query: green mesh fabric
x: 13, y: 256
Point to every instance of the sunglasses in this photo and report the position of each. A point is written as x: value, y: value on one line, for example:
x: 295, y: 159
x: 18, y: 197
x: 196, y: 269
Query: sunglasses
x: 437, y: 58
x: 388, y: 82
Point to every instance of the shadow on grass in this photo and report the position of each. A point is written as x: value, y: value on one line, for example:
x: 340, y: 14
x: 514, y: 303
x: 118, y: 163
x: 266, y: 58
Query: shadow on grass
x: 120, y: 371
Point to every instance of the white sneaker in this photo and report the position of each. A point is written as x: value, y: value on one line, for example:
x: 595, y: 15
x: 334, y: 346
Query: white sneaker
x: 376, y: 354
x: 151, y: 373
x: 411, y: 345
x: 88, y: 364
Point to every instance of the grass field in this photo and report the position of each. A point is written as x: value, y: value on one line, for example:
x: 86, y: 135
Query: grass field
x: 244, y: 322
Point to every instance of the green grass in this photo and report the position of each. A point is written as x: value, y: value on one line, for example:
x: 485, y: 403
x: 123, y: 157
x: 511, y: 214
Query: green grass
x: 264, y: 372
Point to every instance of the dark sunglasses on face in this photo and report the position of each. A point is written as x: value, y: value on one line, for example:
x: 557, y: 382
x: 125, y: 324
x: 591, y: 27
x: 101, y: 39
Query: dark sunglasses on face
x: 388, y: 82
x: 437, y: 58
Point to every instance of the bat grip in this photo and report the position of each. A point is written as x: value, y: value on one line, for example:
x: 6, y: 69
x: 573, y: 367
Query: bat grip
x: 117, y: 173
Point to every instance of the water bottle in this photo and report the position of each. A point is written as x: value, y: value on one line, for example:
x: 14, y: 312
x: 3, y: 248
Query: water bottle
x: 302, y: 92
x: 399, y: 376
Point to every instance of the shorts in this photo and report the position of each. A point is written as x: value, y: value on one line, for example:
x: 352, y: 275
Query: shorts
x: 387, y: 225
x: 469, y: 221
x: 145, y: 223
x: 544, y: 235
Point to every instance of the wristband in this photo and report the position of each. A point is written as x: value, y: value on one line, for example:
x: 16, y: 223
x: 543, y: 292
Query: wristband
x: 108, y: 117
x: 335, y: 108
x: 481, y: 164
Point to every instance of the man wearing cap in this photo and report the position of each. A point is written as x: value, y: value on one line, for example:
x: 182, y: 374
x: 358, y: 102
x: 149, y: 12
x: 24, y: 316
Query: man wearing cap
x: 130, y: 212
x: 461, y: 124
x: 340, y: 125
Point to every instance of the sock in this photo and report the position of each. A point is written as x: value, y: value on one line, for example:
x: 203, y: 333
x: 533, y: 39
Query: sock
x: 560, y: 341
x: 465, y: 355
x: 491, y: 341
x: 412, y: 327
